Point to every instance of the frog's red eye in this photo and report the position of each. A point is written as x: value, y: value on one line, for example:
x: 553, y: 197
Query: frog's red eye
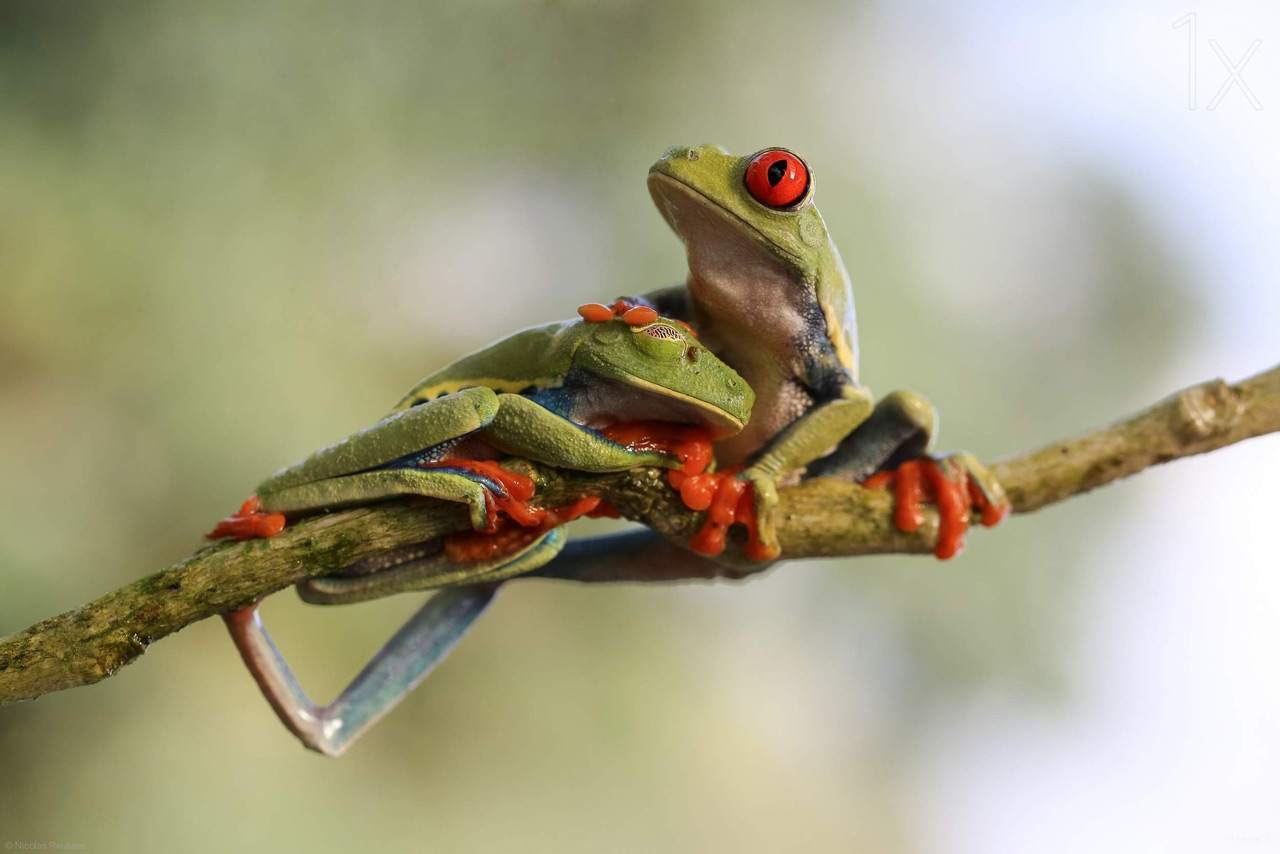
x: 777, y: 178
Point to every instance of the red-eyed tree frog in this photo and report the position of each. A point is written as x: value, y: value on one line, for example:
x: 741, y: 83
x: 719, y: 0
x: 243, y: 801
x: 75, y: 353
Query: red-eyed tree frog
x: 768, y: 293
x: 605, y: 393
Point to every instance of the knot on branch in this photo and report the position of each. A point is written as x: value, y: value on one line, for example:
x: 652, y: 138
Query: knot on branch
x: 1207, y: 410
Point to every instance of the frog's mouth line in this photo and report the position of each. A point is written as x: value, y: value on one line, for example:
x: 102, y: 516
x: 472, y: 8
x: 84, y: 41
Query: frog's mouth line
x: 715, y: 415
x: 657, y: 179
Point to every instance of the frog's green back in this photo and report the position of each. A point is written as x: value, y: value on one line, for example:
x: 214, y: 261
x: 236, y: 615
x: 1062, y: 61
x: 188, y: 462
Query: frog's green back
x: 537, y: 357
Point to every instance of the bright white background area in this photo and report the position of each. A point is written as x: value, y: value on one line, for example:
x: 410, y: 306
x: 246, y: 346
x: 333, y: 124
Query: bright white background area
x: 1172, y: 741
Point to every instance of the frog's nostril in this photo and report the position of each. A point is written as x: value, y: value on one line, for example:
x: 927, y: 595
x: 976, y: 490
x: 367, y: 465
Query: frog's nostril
x: 692, y: 353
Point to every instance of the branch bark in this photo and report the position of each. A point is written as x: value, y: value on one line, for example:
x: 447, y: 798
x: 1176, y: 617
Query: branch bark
x: 820, y: 517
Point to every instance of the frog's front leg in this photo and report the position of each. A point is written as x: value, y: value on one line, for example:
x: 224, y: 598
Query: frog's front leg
x: 893, y: 447
x: 403, y: 454
x: 524, y: 428
x: 410, y: 454
x: 803, y: 441
x: 448, y: 482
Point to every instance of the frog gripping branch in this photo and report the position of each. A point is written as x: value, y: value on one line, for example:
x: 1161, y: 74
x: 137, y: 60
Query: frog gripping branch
x: 617, y: 390
x: 752, y: 234
x: 769, y: 293
x: 725, y: 414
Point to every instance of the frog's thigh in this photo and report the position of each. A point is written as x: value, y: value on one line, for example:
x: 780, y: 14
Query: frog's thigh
x: 395, y: 436
x: 523, y: 428
x: 430, y: 572
x: 901, y: 427
x: 371, y: 486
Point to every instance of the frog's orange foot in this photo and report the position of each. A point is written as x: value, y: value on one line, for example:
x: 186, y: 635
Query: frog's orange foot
x: 466, y: 547
x: 250, y: 522
x: 689, y: 446
x: 728, y: 500
x: 947, y: 484
x: 514, y: 522
x: 504, y: 491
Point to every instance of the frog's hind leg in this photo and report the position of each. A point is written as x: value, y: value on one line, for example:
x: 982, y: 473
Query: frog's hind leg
x: 416, y: 571
x: 900, y: 430
x: 369, y: 486
x: 901, y: 427
x: 893, y: 446
x: 402, y: 663
x: 386, y: 459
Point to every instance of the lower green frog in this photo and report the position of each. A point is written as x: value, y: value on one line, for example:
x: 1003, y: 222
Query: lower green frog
x: 605, y: 393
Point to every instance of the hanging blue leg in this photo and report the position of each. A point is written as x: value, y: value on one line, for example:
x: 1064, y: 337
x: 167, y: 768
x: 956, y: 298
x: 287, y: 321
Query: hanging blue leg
x: 398, y: 667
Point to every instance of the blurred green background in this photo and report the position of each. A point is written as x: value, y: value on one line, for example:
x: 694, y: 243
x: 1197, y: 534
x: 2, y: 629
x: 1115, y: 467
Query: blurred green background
x: 233, y: 232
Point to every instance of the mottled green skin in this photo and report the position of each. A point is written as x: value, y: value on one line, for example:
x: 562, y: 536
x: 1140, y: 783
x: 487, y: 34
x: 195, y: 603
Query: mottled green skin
x: 535, y: 394
x: 769, y: 293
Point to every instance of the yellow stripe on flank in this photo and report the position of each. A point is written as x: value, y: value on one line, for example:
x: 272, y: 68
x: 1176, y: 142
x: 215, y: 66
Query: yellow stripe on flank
x: 433, y: 391
x: 835, y: 332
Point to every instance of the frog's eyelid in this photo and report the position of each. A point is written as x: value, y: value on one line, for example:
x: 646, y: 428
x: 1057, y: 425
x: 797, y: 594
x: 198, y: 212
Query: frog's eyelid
x: 661, y: 330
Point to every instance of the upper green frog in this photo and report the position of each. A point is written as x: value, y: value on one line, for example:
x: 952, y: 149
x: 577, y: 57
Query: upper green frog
x: 769, y: 294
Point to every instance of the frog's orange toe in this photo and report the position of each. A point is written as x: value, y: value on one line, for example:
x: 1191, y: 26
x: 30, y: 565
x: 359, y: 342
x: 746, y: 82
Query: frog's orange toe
x: 922, y: 480
x: 722, y: 512
x: 728, y: 500
x: 249, y: 523
x: 992, y: 514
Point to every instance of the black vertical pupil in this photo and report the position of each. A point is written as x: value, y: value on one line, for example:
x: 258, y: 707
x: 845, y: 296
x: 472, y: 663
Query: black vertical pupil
x: 777, y: 171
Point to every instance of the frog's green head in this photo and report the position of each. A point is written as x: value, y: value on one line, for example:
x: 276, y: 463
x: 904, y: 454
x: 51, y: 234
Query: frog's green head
x: 756, y: 240
x: 659, y: 370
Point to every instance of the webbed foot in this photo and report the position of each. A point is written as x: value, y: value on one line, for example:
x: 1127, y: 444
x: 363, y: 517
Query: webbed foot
x: 728, y: 497
x: 956, y: 483
x: 731, y: 497
x: 500, y: 490
x: 248, y: 523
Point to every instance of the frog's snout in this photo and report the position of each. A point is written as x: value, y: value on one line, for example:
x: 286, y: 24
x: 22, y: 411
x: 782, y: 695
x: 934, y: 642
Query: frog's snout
x: 676, y: 153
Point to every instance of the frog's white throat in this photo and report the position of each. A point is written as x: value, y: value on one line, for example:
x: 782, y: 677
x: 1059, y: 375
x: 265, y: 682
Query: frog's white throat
x: 731, y: 264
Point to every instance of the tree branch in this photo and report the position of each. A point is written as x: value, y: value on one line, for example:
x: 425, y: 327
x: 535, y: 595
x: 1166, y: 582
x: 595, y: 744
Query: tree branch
x: 820, y: 517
